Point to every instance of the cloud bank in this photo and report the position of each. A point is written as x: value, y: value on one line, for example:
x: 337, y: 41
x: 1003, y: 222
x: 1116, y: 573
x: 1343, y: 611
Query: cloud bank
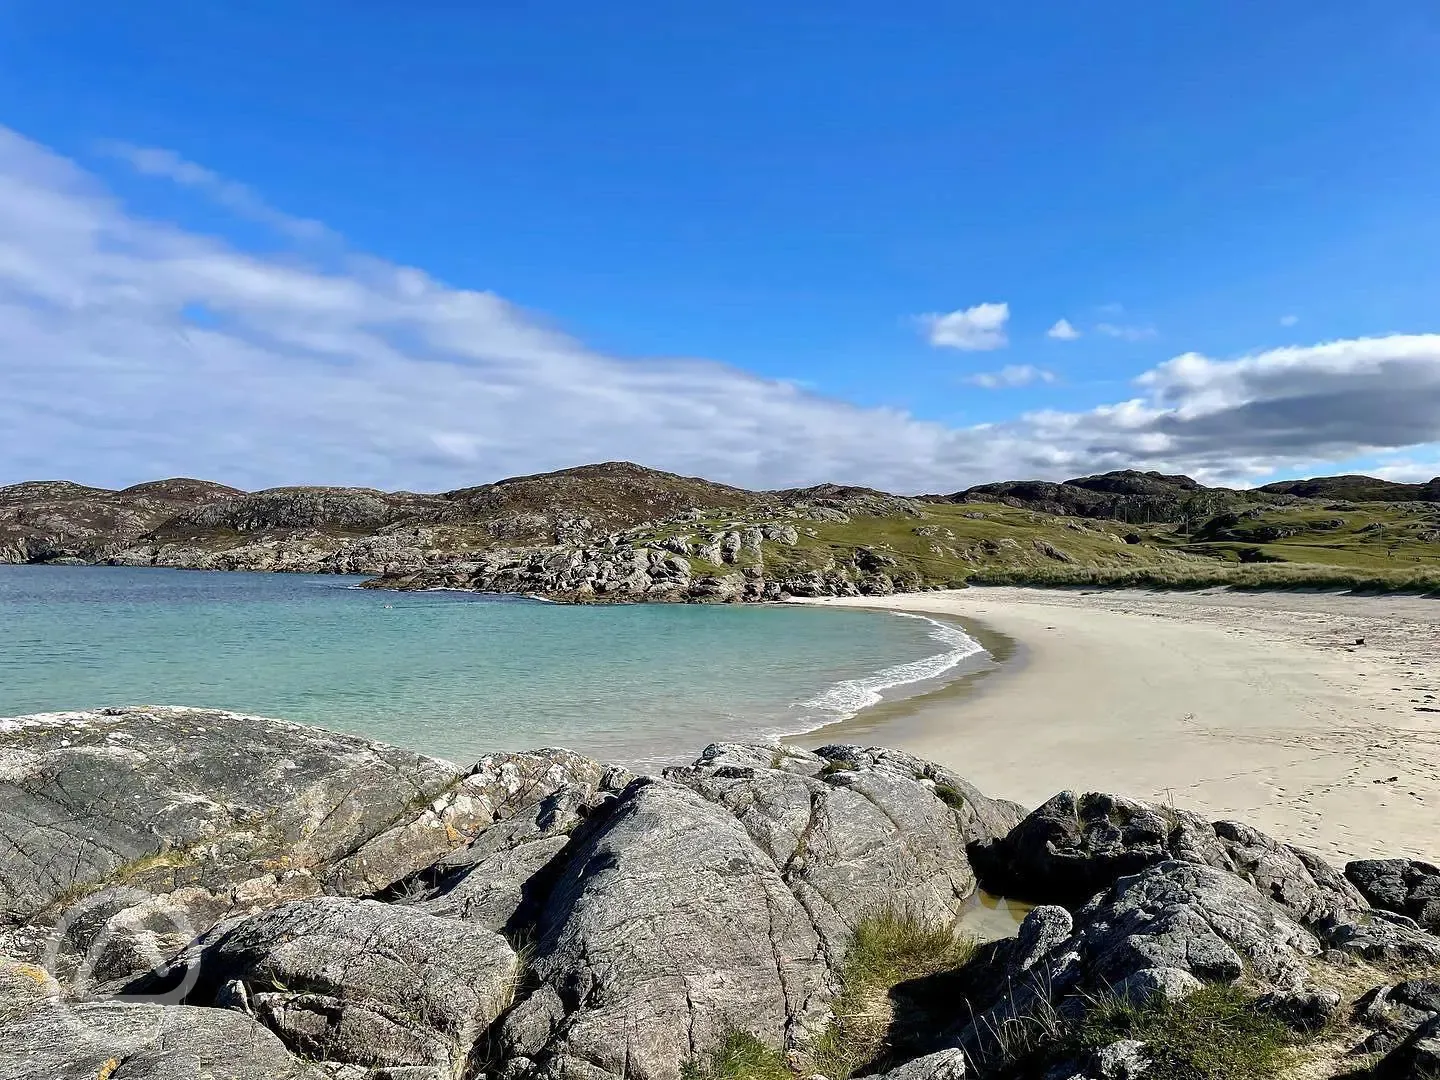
x: 131, y: 350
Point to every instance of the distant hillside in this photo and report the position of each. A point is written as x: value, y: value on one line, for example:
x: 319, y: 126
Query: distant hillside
x: 1356, y: 489
x: 620, y: 531
x: 1138, y: 498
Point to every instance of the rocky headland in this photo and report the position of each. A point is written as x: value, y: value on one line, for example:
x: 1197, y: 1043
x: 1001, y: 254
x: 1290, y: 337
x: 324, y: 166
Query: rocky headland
x: 198, y: 894
x: 621, y: 532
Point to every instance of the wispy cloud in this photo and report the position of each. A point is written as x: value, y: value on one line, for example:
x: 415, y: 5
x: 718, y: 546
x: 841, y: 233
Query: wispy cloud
x: 1012, y: 375
x: 1289, y: 320
x: 1126, y: 333
x: 974, y: 329
x: 131, y: 349
x: 1062, y: 331
x: 234, y: 196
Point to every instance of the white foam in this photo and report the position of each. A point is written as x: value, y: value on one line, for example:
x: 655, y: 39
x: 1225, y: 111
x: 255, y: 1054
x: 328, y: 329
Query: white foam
x: 846, y: 699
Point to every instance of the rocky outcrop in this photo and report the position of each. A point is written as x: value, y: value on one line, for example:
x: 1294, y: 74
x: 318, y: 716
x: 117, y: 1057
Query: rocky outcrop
x: 245, y: 898
x: 167, y: 797
x: 1074, y: 845
x: 665, y: 927
x: 1404, y: 886
x: 47, y: 1039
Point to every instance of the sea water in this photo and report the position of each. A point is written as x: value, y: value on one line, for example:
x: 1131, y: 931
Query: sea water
x: 451, y: 673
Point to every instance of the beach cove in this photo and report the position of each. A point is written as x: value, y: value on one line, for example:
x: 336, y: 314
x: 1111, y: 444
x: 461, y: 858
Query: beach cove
x: 1262, y: 707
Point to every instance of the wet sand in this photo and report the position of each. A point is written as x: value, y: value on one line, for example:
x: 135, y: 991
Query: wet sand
x: 1258, y: 707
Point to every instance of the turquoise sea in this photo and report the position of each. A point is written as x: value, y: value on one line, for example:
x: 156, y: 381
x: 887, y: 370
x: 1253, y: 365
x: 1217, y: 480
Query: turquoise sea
x: 455, y: 674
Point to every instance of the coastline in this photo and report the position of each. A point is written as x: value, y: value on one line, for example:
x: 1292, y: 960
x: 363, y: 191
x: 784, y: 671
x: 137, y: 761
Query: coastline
x: 1259, y: 707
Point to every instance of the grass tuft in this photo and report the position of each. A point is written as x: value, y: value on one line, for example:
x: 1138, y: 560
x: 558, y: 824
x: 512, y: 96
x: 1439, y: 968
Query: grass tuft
x: 740, y: 1056
x: 887, y: 948
x: 1217, y: 1033
x: 950, y: 796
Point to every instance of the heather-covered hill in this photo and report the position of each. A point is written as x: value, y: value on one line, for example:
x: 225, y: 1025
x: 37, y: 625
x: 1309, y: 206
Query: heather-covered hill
x: 620, y: 531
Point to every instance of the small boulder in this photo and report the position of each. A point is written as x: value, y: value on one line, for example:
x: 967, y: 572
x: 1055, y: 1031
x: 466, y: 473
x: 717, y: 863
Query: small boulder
x: 1405, y: 886
x: 944, y: 1065
x: 1306, y: 1010
x: 1157, y: 984
x: 347, y: 980
x: 1417, y: 1058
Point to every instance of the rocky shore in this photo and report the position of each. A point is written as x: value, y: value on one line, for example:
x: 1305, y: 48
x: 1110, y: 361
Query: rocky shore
x: 617, y: 531
x: 190, y: 893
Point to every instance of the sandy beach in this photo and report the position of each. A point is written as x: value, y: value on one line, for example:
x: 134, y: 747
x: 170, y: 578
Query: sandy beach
x: 1258, y: 707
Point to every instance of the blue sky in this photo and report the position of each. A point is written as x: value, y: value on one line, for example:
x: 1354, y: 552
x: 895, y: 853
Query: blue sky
x: 824, y: 242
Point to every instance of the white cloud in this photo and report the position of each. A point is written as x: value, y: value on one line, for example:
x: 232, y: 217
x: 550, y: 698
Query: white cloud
x: 1010, y: 376
x: 1409, y: 470
x: 1126, y: 333
x: 975, y: 329
x: 234, y: 196
x: 1289, y: 320
x: 130, y: 349
x: 1062, y: 331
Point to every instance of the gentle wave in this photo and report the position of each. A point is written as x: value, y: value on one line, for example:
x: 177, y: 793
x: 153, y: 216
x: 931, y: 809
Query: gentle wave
x: 852, y: 696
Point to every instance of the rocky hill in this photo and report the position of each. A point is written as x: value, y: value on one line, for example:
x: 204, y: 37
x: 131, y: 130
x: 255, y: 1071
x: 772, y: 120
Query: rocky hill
x: 191, y: 894
x: 619, y: 531
x: 1357, y: 489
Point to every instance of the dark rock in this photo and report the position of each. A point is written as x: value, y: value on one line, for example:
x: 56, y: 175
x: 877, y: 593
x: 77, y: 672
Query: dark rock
x: 1395, y: 1012
x: 1404, y: 886
x: 1163, y: 930
x: 1306, y: 1010
x: 1075, y: 846
x: 1381, y: 937
x: 1417, y: 1058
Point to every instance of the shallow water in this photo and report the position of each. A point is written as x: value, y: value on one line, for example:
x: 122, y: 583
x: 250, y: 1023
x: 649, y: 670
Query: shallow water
x: 454, y: 674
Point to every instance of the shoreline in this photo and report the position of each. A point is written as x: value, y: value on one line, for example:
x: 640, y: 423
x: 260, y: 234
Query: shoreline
x: 1259, y: 707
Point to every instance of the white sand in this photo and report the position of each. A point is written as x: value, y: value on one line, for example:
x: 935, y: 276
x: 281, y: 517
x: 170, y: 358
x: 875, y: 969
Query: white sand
x: 1257, y: 707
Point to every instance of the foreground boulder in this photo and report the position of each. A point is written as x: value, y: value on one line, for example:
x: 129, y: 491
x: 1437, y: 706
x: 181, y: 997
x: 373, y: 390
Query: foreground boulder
x: 355, y: 912
x: 66, y: 1041
x: 171, y: 797
x: 846, y: 839
x: 666, y: 927
x: 356, y: 981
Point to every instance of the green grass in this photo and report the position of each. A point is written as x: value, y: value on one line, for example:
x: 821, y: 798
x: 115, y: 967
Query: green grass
x: 740, y: 1056
x: 1217, y: 1033
x: 951, y: 797
x: 886, y: 949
